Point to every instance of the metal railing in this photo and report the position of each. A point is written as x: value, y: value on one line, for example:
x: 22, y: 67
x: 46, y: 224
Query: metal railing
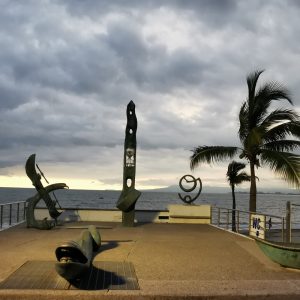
x: 293, y: 222
x: 274, y: 225
x: 12, y: 213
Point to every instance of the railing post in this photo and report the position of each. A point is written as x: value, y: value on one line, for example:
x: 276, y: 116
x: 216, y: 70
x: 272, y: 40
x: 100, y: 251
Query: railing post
x: 24, y: 211
x: 18, y: 211
x: 227, y: 226
x: 288, y: 222
x: 14, y: 215
x: 282, y: 230
x: 238, y: 221
x: 219, y: 214
x: 249, y: 222
x: 10, y: 213
x: 1, y: 216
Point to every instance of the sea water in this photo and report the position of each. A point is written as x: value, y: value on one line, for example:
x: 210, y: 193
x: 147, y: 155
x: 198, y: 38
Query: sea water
x: 266, y: 203
x: 270, y: 204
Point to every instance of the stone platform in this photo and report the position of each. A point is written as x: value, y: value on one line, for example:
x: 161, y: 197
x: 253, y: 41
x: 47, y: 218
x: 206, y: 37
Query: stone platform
x: 171, y: 261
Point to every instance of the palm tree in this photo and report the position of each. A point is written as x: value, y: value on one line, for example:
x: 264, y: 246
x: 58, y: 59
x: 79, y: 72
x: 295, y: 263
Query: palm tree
x: 235, y: 178
x: 265, y: 136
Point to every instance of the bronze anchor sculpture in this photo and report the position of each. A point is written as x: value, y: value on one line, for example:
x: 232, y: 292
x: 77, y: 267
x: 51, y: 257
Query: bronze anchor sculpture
x: 42, y: 193
x: 75, y: 257
x: 129, y: 195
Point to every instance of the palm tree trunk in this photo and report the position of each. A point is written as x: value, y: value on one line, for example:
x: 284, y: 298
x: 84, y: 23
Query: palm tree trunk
x: 233, y: 208
x: 252, y: 202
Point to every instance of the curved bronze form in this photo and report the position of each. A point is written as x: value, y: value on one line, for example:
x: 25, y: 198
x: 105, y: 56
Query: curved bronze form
x: 42, y: 193
x: 33, y: 201
x: 129, y: 195
x: 75, y: 257
x: 190, y: 179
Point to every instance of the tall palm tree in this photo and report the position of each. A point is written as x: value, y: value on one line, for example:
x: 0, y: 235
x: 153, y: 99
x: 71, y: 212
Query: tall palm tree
x: 235, y: 178
x: 265, y: 136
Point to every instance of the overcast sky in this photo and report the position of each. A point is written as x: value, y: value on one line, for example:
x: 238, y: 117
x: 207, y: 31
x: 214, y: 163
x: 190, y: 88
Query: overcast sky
x: 69, y: 69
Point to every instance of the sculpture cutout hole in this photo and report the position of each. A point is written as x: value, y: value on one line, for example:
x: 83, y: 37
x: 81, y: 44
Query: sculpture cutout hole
x: 130, y: 131
x: 130, y: 112
x: 129, y: 182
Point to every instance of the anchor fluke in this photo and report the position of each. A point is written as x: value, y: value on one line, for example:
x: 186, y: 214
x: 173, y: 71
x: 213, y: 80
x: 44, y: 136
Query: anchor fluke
x: 42, y: 193
x: 75, y: 257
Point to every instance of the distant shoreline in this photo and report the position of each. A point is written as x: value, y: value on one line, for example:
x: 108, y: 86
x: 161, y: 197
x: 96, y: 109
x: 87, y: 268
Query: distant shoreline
x: 173, y: 191
x: 270, y: 193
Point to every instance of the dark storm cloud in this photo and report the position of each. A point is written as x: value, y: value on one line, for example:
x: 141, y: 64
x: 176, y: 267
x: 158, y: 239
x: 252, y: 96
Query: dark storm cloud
x: 150, y: 67
x: 58, y: 60
x: 215, y: 11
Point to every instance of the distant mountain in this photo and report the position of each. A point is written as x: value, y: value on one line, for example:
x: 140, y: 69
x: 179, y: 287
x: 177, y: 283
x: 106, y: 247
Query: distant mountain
x: 222, y: 190
x: 176, y: 189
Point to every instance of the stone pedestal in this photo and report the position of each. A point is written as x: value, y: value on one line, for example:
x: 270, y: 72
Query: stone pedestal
x: 193, y: 214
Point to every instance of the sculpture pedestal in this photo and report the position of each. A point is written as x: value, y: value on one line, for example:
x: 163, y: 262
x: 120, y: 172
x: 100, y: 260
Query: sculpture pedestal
x: 128, y: 218
x: 193, y: 214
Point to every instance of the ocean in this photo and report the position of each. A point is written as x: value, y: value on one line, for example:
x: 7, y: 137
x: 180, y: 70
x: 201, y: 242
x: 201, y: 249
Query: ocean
x: 270, y: 204
x: 266, y: 203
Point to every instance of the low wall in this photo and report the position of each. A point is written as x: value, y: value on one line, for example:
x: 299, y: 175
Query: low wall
x: 197, y: 214
x: 104, y: 215
x: 187, y: 213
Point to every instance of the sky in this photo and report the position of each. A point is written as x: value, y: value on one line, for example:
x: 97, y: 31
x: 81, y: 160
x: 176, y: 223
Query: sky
x: 70, y: 67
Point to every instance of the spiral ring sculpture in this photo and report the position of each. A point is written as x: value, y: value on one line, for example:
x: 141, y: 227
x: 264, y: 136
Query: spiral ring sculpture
x: 189, y: 179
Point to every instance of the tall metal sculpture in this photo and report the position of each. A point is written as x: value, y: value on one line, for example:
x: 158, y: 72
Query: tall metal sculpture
x: 189, y: 179
x: 129, y: 195
x: 42, y: 193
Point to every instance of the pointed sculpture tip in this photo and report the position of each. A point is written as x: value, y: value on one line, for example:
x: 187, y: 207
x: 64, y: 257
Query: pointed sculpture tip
x: 131, y: 103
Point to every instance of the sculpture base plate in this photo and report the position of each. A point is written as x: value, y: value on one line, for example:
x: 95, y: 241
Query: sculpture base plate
x: 104, y: 275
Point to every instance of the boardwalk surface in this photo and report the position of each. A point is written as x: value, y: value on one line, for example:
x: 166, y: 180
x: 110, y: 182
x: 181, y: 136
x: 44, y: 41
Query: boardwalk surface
x: 170, y: 260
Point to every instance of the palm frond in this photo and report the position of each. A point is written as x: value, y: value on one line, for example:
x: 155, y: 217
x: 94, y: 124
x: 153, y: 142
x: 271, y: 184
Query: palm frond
x: 211, y: 154
x: 295, y: 128
x: 282, y: 145
x: 269, y: 92
x: 234, y: 167
x: 278, y: 116
x: 244, y: 125
x: 251, y: 82
x: 242, y: 177
x: 280, y: 131
x: 286, y: 164
x: 233, y: 175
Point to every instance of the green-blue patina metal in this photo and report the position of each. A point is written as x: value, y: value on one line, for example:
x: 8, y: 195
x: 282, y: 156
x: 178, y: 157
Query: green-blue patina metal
x: 42, y: 193
x: 75, y: 257
x: 189, y: 179
x: 129, y: 194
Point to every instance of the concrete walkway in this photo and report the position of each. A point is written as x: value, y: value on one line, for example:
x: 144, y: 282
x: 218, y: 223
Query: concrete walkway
x: 171, y: 261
